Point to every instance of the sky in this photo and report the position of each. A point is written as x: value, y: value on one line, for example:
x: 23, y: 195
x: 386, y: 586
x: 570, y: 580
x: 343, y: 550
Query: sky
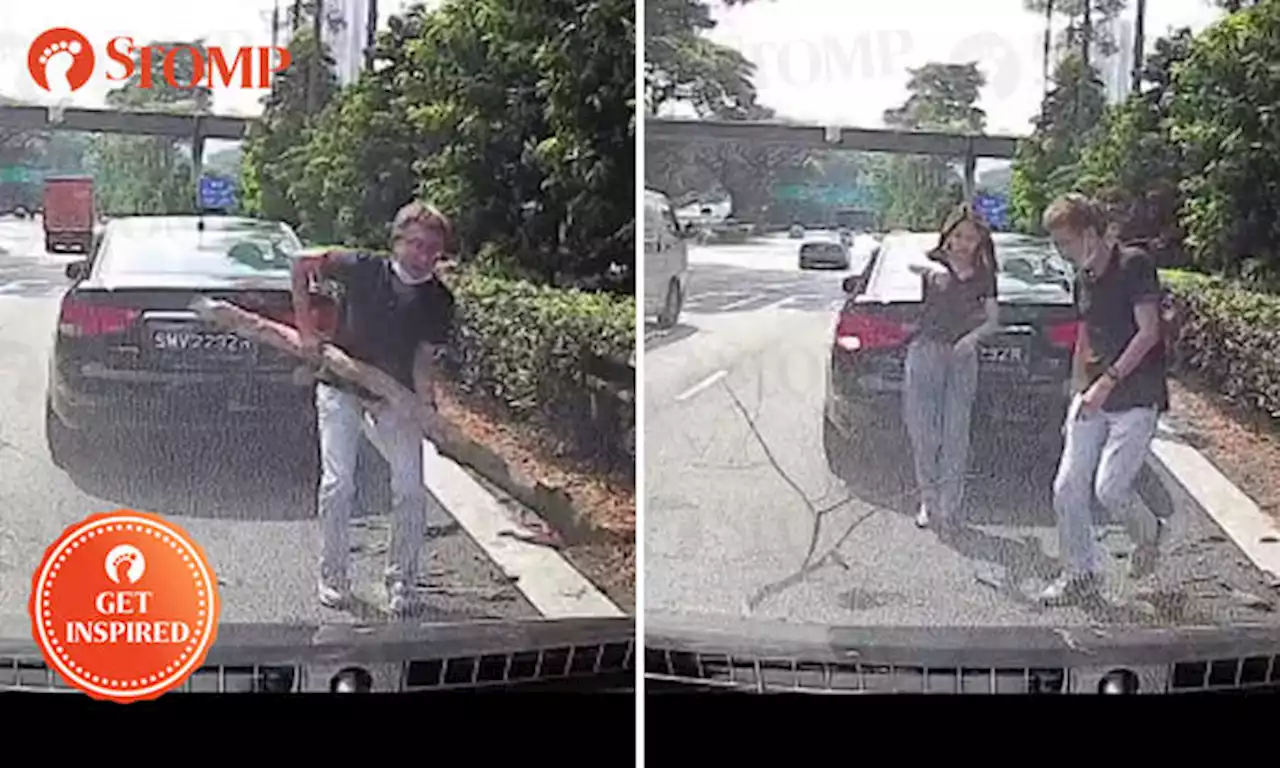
x: 843, y: 62
x: 228, y: 23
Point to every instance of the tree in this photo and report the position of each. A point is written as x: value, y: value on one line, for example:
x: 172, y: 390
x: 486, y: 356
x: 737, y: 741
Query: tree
x: 149, y: 88
x: 1134, y: 160
x: 1222, y: 114
x: 1047, y: 162
x: 1088, y: 24
x: 272, y: 154
x: 151, y: 174
x: 681, y: 64
x: 519, y: 124
x: 920, y: 190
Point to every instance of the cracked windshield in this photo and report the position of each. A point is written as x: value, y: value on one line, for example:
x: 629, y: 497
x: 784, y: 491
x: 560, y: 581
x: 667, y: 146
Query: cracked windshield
x: 960, y: 319
x: 344, y: 289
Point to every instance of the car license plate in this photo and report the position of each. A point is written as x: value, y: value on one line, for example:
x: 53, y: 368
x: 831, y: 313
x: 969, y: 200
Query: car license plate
x: 1004, y: 356
x: 201, y: 342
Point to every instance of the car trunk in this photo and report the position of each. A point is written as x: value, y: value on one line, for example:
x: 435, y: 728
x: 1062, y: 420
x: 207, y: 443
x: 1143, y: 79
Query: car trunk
x: 149, y: 336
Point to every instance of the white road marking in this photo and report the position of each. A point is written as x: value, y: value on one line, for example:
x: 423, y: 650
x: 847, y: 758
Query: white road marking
x: 741, y: 302
x: 542, y: 574
x: 704, y: 384
x: 1255, y: 533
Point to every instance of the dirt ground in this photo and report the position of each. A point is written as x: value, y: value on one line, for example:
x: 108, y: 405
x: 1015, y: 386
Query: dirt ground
x: 608, y: 502
x: 1246, y: 448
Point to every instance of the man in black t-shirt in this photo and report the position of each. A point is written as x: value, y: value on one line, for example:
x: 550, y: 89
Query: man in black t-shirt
x: 1120, y: 389
x: 397, y: 317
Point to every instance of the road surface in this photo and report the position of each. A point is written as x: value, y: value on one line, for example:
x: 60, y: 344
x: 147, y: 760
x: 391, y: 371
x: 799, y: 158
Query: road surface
x: 738, y: 385
x: 249, y: 507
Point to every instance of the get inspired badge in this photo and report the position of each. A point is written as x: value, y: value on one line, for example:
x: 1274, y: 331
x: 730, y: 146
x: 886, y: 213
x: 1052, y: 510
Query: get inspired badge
x: 124, y: 606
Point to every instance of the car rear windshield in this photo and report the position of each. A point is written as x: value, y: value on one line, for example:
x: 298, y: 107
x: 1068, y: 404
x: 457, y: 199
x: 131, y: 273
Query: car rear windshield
x: 224, y: 250
x: 821, y: 248
x: 1030, y: 259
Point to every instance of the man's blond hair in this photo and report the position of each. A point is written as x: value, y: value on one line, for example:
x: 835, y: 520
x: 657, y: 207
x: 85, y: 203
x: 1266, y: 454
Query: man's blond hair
x: 420, y: 214
x: 1075, y: 213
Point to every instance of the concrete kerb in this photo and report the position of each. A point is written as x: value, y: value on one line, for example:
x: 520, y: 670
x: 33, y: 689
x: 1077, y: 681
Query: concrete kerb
x: 1187, y: 471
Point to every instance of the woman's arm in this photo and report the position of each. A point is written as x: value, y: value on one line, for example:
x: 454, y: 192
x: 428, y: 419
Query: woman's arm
x: 990, y: 323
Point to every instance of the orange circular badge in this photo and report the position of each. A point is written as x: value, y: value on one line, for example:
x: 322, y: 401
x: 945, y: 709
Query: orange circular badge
x: 124, y: 606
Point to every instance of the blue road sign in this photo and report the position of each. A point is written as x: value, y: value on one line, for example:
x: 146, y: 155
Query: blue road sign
x: 993, y: 208
x: 217, y: 193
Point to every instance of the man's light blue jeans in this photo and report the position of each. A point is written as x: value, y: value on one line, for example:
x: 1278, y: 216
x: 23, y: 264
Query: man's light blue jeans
x: 343, y: 418
x: 1102, y: 455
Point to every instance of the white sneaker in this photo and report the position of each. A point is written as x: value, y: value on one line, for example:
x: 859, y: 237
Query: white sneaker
x: 1069, y: 588
x: 922, y: 517
x: 333, y: 597
x: 403, y: 603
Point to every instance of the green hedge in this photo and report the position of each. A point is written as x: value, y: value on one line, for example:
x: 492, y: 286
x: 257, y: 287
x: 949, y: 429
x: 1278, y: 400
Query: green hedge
x: 526, y: 345
x: 1229, y: 338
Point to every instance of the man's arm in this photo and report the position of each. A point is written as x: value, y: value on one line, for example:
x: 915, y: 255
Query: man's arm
x: 1147, y: 317
x: 1080, y: 360
x: 426, y: 371
x: 306, y: 267
x: 990, y: 323
x: 1144, y: 288
x: 437, y: 338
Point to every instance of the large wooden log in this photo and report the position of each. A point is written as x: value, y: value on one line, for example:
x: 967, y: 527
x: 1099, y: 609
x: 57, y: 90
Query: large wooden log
x: 448, y: 439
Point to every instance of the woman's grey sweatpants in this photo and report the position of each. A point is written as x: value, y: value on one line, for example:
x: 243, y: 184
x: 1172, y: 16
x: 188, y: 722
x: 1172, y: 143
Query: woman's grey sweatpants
x: 937, y: 399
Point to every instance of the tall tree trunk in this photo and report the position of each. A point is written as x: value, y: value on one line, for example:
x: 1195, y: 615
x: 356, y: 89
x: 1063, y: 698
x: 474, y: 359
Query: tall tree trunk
x: 1048, y: 43
x: 313, y: 72
x: 296, y: 23
x: 1086, y: 33
x: 1139, y: 25
x: 370, y: 34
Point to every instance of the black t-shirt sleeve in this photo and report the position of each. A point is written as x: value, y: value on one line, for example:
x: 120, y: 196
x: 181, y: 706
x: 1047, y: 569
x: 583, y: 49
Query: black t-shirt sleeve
x: 349, y: 267
x: 1141, y: 281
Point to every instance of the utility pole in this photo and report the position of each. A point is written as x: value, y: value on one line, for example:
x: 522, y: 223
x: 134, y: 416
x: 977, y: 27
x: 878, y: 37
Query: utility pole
x: 275, y: 25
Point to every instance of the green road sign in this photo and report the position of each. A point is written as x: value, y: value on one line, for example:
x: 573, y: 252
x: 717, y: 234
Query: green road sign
x: 18, y: 174
x: 858, y: 196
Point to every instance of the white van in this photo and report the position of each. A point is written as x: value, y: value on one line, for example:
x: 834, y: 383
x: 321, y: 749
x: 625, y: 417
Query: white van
x: 666, y: 260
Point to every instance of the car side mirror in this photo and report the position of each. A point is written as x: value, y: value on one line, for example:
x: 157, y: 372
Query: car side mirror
x: 854, y: 285
x: 77, y: 270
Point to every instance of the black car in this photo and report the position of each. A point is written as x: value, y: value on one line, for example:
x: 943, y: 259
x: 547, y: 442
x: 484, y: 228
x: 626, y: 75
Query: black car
x: 130, y: 357
x: 824, y: 254
x: 1024, y: 370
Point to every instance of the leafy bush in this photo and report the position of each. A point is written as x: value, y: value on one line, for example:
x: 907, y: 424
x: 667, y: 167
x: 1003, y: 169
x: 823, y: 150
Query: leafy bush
x: 527, y: 346
x: 1222, y: 114
x: 1230, y: 338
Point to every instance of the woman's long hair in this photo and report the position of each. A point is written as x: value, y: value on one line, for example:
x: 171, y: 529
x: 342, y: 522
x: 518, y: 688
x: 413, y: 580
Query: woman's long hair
x: 984, y: 262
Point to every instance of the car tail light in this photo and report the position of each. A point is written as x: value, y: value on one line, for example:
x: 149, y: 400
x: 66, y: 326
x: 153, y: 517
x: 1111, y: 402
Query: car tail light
x: 1063, y: 335
x: 80, y: 318
x: 857, y: 332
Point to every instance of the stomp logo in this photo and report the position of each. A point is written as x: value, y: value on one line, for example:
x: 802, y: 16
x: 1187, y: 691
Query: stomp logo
x: 124, y: 606
x: 62, y: 60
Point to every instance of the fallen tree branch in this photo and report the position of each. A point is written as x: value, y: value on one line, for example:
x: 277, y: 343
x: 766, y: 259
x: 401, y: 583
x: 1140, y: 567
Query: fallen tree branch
x: 447, y: 438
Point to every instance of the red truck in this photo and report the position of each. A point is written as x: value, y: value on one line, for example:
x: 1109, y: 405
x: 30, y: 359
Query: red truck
x: 68, y: 213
